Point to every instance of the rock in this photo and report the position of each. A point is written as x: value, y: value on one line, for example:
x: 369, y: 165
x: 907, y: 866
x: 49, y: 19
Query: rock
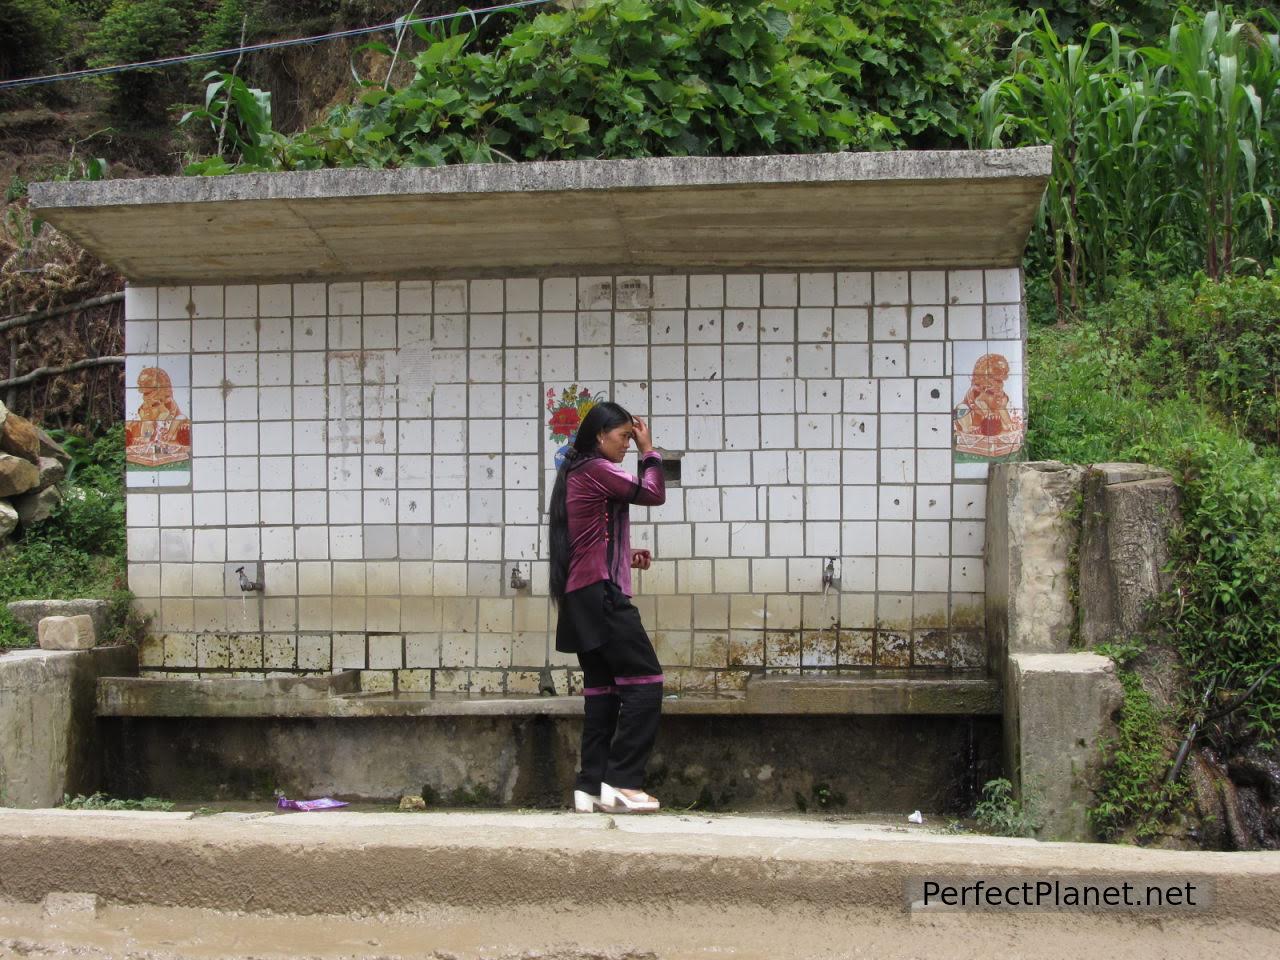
x: 51, y: 471
x: 31, y: 612
x: 59, y: 904
x: 20, y: 437
x: 38, y: 505
x: 17, y: 475
x: 412, y: 802
x: 51, y: 448
x: 8, y: 519
x: 67, y: 633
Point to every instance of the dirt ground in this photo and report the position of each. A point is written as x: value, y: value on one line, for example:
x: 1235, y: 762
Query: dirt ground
x: 590, y: 932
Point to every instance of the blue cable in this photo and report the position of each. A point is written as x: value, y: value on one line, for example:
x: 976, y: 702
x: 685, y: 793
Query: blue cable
x: 253, y: 48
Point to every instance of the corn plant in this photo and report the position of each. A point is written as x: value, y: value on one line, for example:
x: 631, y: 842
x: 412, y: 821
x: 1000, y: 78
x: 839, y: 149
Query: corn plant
x: 1211, y: 76
x: 1162, y: 154
x: 1058, y: 93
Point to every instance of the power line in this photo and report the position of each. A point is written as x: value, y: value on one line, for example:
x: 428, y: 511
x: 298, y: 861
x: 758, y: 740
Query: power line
x: 254, y: 48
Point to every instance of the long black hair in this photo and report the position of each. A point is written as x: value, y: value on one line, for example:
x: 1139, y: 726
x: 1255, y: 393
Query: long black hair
x: 604, y: 416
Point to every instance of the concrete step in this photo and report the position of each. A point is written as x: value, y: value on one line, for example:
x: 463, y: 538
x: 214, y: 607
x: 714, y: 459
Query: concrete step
x: 339, y: 863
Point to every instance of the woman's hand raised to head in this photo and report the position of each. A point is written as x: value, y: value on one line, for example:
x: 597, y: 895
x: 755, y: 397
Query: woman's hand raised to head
x: 640, y: 431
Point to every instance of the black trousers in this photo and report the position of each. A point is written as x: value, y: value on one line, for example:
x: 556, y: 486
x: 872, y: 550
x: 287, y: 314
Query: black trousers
x: 622, y: 699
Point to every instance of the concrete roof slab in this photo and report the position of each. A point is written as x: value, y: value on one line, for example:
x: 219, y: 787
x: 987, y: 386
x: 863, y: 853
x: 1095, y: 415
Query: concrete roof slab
x: 913, y: 208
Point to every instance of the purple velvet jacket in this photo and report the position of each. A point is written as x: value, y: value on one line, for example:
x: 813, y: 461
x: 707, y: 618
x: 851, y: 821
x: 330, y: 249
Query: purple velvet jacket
x: 598, y: 494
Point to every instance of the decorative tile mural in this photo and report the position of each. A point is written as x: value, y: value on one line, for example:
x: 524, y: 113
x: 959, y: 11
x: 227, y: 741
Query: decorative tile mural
x: 158, y: 436
x: 985, y: 424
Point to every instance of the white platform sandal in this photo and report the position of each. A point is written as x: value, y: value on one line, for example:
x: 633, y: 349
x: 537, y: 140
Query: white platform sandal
x: 613, y: 800
x: 584, y: 802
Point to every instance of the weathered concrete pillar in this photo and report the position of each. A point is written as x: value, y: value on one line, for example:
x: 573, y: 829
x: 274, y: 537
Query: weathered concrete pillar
x: 1031, y: 531
x: 48, y: 742
x: 1129, y: 509
x: 1057, y: 709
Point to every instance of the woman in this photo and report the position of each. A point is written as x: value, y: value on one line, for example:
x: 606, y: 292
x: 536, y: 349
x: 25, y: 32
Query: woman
x: 591, y: 562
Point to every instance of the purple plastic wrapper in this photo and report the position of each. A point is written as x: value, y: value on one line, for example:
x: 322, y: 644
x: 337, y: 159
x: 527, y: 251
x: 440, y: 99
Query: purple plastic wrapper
x: 324, y: 803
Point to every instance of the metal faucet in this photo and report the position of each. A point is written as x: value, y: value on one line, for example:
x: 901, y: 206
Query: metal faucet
x: 245, y: 583
x: 828, y: 575
x: 518, y: 580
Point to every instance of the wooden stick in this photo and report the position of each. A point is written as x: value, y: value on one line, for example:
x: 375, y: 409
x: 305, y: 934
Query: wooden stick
x: 22, y: 319
x: 39, y: 372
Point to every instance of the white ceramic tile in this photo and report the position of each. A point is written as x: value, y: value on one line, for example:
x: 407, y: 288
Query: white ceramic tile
x: 859, y: 431
x: 559, y: 293
x: 926, y: 360
x: 822, y: 503
x: 891, y: 287
x: 706, y: 291
x: 595, y: 293
x: 853, y: 289
x: 889, y: 323
x: 966, y: 574
x: 933, y: 430
x: 928, y: 286
x: 967, y: 538
x: 1004, y: 321
x: 964, y: 286
x: 817, y: 290
x: 742, y: 433
x: 776, y: 360
x: 894, y: 538
x: 705, y: 432
x: 814, y: 430
x: 704, y: 362
x: 928, y: 323
x: 1004, y: 286
x: 814, y: 360
x: 780, y: 290
x: 704, y: 326
x: 741, y: 362
x: 893, y: 574
x: 933, y: 502
x: 449, y: 332
x: 897, y: 395
x: 933, y: 466
x: 897, y: 430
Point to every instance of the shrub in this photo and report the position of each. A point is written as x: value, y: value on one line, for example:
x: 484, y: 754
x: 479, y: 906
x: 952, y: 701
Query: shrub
x: 999, y: 812
x: 133, y: 31
x: 629, y: 78
x: 32, y: 35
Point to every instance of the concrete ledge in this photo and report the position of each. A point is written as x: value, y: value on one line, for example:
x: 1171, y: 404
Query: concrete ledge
x: 333, y: 863
x: 907, y: 208
x: 48, y: 739
x: 335, y: 697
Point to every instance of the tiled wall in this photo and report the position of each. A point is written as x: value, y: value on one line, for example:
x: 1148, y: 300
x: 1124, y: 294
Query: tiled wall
x: 383, y: 450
